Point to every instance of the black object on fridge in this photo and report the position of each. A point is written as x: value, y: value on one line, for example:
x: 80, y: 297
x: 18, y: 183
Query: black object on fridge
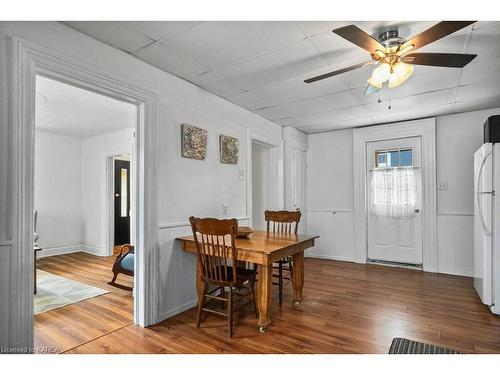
x: 492, y: 129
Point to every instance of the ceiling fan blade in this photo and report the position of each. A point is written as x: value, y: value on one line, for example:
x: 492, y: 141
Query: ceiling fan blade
x: 449, y: 60
x: 436, y: 32
x: 337, y: 72
x: 358, y: 37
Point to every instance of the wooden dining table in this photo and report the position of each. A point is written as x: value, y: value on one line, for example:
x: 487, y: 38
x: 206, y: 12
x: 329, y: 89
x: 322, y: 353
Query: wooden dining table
x: 263, y: 249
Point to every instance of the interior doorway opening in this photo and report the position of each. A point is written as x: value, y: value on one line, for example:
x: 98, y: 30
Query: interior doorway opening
x: 261, y: 183
x: 78, y: 133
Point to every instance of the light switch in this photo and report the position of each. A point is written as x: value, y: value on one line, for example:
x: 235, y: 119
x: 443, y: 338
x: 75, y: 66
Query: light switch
x: 242, y: 175
x: 225, y: 208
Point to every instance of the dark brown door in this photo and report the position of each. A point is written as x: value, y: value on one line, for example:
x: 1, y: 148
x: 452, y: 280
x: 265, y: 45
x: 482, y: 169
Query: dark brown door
x: 122, y: 202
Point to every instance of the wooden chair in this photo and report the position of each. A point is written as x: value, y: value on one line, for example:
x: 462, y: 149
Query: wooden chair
x: 216, y: 256
x: 124, y: 263
x: 282, y: 222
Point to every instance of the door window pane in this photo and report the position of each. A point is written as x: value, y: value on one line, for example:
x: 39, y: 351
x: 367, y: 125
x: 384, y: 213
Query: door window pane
x: 394, y: 158
x: 405, y: 158
x: 124, y: 193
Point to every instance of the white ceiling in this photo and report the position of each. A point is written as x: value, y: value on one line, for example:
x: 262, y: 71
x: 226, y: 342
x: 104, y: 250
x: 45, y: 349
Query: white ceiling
x: 261, y: 66
x: 68, y: 110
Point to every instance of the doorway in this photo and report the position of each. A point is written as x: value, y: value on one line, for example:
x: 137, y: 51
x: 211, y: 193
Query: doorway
x: 121, y: 200
x: 299, y: 186
x: 395, y: 197
x: 74, y: 266
x: 261, y: 183
x: 29, y: 60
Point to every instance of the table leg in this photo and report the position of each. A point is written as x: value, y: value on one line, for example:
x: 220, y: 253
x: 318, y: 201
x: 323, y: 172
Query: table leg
x: 298, y: 277
x: 265, y: 287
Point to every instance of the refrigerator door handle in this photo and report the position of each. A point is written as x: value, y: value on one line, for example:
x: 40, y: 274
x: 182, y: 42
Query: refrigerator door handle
x: 478, y: 194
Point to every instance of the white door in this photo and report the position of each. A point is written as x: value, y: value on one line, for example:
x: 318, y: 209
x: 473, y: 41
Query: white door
x: 299, y: 184
x: 395, y: 238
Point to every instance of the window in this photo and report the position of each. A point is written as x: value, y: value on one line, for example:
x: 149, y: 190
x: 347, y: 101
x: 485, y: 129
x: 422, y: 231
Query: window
x: 124, y: 193
x: 401, y: 157
x: 394, y: 183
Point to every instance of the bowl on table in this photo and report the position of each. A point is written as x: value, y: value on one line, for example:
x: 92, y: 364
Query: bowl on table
x: 244, y: 232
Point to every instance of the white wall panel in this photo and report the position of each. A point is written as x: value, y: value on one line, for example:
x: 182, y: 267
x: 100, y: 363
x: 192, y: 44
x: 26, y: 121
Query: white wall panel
x: 58, y: 192
x: 456, y: 244
x: 336, y: 235
x: 95, y: 150
x: 330, y: 171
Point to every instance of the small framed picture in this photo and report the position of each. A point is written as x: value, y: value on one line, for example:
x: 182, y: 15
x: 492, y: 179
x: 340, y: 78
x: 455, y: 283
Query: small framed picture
x: 229, y: 149
x: 194, y: 142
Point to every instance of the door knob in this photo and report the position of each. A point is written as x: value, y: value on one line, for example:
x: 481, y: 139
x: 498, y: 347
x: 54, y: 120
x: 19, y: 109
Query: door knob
x: 417, y: 210
x: 117, y: 195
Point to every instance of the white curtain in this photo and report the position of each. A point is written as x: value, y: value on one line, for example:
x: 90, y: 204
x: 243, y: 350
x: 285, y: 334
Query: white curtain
x: 393, y: 192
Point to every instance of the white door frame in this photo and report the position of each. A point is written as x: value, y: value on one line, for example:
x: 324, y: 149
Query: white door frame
x: 426, y: 129
x: 26, y: 60
x: 277, y: 183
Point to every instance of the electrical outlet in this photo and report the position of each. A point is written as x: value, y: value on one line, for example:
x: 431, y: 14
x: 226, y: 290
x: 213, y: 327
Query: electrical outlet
x: 242, y: 175
x: 443, y: 186
x: 225, y: 208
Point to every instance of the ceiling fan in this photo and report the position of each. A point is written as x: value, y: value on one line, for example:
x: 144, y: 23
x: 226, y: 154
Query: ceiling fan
x: 395, y: 55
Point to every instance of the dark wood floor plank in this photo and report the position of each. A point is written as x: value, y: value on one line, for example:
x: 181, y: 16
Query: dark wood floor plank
x: 70, y: 326
x: 347, y: 308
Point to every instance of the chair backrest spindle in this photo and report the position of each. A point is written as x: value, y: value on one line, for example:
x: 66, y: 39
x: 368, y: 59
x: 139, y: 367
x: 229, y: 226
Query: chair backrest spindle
x: 282, y: 221
x: 216, y: 247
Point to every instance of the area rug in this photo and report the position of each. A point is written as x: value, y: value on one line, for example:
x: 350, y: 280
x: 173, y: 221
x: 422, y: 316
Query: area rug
x: 55, y: 291
x: 405, y: 346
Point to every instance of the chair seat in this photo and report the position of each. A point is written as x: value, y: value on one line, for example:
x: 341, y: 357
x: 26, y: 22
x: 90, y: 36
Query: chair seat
x: 128, y: 262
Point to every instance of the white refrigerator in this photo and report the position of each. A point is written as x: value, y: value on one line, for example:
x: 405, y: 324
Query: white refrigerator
x: 487, y: 225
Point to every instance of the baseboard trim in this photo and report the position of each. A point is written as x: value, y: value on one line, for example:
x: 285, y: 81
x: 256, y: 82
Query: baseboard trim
x: 330, y: 257
x: 59, y: 250
x: 456, y: 273
x: 94, y: 250
x: 177, y: 310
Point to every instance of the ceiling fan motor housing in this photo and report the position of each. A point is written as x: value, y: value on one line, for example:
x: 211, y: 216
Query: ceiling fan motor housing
x: 391, y: 38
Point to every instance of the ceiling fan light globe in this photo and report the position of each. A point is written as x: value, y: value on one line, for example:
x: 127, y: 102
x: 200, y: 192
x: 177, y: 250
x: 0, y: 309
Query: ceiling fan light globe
x: 400, y: 73
x: 381, y: 73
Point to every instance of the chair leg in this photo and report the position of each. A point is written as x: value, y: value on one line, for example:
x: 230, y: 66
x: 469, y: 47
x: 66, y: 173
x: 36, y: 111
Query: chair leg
x: 252, y: 285
x: 280, y: 282
x: 230, y: 311
x: 115, y: 275
x: 201, y: 304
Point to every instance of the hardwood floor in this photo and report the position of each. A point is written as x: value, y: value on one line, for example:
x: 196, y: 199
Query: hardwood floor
x: 69, y: 326
x: 347, y: 308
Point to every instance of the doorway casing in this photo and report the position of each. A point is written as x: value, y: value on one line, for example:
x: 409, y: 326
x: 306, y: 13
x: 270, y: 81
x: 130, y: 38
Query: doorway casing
x: 26, y: 60
x: 426, y: 129
x: 276, y: 182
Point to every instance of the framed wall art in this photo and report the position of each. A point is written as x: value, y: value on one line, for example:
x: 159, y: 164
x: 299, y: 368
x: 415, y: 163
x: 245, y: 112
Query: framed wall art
x: 193, y: 142
x: 229, y: 149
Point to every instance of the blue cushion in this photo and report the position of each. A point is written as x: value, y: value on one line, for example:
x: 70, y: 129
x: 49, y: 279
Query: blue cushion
x: 128, y: 262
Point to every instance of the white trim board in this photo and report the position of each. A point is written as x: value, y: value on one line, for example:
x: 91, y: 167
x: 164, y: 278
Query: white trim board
x: 426, y: 129
x: 59, y: 250
x: 26, y: 60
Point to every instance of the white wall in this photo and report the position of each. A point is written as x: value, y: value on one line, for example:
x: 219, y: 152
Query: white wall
x: 261, y: 169
x: 458, y: 137
x: 186, y: 186
x: 58, y: 192
x: 330, y: 194
x: 330, y: 189
x: 95, y: 151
